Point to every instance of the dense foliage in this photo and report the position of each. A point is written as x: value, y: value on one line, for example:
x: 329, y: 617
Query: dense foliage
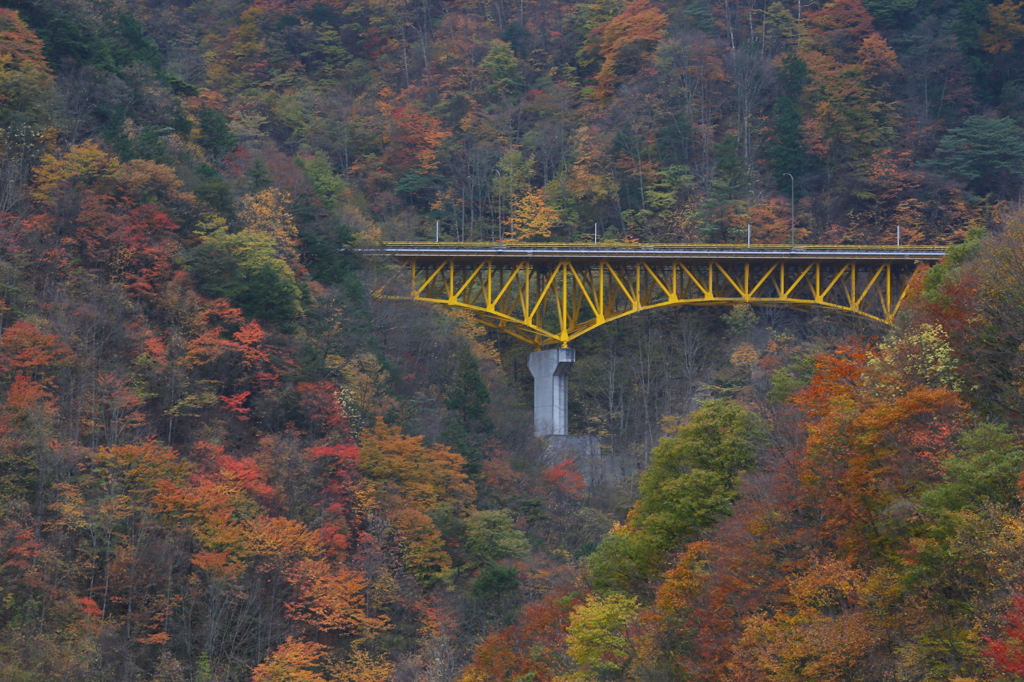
x: 222, y: 459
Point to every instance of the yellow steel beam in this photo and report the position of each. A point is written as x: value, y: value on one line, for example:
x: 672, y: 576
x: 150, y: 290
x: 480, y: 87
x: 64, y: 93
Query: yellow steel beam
x: 556, y: 302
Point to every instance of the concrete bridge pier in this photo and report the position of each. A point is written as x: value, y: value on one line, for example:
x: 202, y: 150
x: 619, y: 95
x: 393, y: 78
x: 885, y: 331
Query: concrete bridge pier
x: 550, y: 370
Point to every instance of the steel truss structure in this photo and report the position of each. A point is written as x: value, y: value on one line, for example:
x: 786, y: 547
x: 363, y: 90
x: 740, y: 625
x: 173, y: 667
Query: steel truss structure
x: 548, y: 295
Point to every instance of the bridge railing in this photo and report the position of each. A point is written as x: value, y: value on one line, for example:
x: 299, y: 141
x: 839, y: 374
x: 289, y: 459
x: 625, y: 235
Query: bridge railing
x: 619, y: 250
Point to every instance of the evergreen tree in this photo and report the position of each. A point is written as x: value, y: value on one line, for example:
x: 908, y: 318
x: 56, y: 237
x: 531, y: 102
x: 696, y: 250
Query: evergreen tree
x: 987, y: 154
x: 786, y: 152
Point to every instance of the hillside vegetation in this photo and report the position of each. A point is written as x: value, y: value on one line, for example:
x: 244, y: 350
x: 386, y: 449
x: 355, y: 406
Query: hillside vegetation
x: 222, y: 458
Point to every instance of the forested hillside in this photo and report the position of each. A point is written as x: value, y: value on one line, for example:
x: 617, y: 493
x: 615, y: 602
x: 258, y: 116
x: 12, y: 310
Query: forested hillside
x: 222, y: 458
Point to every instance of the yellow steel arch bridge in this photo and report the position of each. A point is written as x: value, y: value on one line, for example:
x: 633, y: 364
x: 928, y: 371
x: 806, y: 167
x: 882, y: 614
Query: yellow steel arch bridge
x: 548, y: 294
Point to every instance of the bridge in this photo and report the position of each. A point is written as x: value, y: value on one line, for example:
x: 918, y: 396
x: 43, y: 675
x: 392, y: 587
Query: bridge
x: 551, y: 294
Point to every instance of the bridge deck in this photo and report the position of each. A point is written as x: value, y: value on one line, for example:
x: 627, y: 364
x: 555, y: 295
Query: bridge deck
x: 648, y: 252
x: 553, y: 293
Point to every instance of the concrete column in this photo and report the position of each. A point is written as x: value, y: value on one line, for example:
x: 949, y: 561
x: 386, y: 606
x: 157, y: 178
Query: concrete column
x: 550, y: 370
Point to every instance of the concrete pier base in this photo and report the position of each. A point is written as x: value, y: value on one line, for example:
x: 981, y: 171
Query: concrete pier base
x: 600, y: 466
x: 550, y: 370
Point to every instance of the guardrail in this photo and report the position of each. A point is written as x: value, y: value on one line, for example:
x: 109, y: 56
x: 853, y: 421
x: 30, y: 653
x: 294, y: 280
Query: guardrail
x: 619, y: 251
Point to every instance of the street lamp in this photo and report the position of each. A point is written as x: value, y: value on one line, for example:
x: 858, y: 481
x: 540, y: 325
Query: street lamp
x: 501, y: 236
x: 792, y: 211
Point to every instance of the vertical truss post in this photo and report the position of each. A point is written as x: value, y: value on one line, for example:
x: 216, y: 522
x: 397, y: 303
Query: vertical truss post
x: 546, y: 301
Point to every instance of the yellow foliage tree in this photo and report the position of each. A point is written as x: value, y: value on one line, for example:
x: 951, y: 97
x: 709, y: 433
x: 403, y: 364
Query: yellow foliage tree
x: 532, y: 218
x: 83, y: 164
x: 26, y: 81
x: 267, y: 213
x: 828, y: 631
x: 589, y: 180
x: 362, y: 667
x: 597, y: 639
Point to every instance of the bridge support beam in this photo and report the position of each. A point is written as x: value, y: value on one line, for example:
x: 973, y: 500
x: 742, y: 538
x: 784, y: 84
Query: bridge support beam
x: 550, y: 370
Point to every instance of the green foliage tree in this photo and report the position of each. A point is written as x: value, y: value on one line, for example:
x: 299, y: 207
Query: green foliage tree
x: 502, y: 67
x: 987, y: 154
x: 495, y: 582
x: 325, y: 182
x: 245, y: 268
x: 214, y: 134
x: 786, y: 150
x: 109, y: 37
x: 691, y: 482
x: 491, y: 536
x: 986, y: 467
x: 468, y: 393
x: 889, y: 11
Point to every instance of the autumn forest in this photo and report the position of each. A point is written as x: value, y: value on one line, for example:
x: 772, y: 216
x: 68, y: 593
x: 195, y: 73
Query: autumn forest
x: 223, y: 458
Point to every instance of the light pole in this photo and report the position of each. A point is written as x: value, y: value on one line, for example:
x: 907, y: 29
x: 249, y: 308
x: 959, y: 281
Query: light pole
x: 792, y: 211
x: 501, y: 236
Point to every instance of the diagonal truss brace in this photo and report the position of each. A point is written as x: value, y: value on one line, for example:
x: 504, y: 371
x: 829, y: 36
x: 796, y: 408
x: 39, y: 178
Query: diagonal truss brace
x: 555, y: 301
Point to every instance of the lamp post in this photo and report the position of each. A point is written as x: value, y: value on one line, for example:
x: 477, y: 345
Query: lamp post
x: 501, y: 230
x: 792, y: 211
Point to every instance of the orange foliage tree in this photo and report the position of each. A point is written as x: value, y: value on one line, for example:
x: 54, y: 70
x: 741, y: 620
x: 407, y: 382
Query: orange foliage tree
x: 408, y: 479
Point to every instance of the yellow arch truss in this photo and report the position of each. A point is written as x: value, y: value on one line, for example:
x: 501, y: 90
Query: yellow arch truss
x: 552, y: 297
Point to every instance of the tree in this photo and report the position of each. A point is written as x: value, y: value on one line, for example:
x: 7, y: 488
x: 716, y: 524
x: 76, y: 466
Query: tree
x: 413, y: 137
x: 423, y: 476
x: 1005, y: 27
x: 511, y: 182
x: 597, y: 636
x: 986, y: 154
x: 26, y: 82
x: 491, y: 536
x: 532, y: 218
x: 84, y: 165
x: 468, y: 393
x: 1008, y: 650
x: 975, y: 297
x: 363, y: 667
x: 849, y: 68
x: 825, y: 631
x: 786, y: 151
x: 866, y: 448
x: 291, y: 662
x: 266, y: 213
x: 625, y: 41
x: 501, y: 65
x: 245, y: 267
x: 214, y: 133
x: 408, y: 480
x: 533, y: 645
x: 691, y: 482
x: 986, y: 467
x: 331, y: 599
